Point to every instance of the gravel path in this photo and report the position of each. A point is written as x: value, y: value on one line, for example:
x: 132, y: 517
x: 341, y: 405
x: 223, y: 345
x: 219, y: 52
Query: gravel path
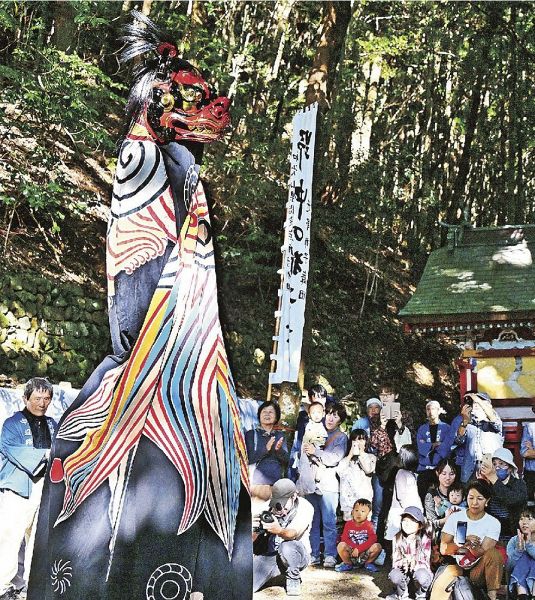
x: 326, y: 584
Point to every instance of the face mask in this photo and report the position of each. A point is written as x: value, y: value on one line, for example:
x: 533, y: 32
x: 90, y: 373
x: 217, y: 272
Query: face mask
x: 502, y: 474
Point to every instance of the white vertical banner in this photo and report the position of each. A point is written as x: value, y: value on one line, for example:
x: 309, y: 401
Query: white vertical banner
x: 296, y: 248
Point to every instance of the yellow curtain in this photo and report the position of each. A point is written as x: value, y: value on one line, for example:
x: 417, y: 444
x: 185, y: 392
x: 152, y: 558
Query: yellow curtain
x: 507, y: 377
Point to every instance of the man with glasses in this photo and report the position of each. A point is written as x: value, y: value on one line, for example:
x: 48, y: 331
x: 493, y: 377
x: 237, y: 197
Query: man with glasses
x: 285, y: 527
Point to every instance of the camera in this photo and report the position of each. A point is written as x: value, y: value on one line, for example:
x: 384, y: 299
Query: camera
x: 468, y: 400
x: 265, y: 517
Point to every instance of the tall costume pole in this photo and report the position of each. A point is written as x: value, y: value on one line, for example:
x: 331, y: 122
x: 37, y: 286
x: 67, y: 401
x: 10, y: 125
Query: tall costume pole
x: 290, y: 315
x: 147, y: 492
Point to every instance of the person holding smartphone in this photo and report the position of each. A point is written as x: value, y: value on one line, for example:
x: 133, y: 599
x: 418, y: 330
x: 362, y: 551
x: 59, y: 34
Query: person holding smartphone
x: 470, y: 536
x: 399, y: 423
x: 475, y: 432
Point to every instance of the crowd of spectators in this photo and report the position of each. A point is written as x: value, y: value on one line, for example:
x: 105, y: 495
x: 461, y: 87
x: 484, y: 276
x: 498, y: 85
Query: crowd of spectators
x: 444, y: 503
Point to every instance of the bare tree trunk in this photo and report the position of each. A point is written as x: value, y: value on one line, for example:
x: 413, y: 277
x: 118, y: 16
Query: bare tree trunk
x: 285, y: 8
x: 64, y: 36
x: 361, y: 136
x: 320, y: 81
x: 147, y: 6
x: 458, y: 192
x: 238, y: 60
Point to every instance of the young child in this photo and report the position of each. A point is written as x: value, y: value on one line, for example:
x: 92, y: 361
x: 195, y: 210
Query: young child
x: 521, y: 556
x: 359, y: 541
x: 310, y: 467
x: 455, y: 501
x: 411, y: 556
x: 355, y: 472
x: 315, y: 432
x: 317, y: 393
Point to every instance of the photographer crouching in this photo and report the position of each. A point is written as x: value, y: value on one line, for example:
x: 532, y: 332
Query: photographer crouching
x: 281, y: 538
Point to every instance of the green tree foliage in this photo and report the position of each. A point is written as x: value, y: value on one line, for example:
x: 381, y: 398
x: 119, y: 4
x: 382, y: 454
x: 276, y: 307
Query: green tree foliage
x: 429, y: 117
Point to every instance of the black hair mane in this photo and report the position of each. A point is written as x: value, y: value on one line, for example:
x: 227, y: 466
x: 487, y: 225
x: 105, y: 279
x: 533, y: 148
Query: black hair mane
x: 142, y: 38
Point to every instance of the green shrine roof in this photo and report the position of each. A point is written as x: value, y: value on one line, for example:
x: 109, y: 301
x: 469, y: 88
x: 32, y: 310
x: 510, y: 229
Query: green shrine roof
x: 482, y: 276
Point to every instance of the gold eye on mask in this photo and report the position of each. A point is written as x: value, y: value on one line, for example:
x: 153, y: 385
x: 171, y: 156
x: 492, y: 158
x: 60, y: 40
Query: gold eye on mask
x: 167, y: 101
x: 191, y: 94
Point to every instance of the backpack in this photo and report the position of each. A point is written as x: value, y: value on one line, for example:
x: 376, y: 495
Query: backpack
x: 462, y: 589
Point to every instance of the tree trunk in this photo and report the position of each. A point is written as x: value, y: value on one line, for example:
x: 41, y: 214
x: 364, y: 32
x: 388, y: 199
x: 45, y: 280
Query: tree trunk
x: 458, y: 192
x: 361, y: 136
x: 320, y: 80
x: 283, y: 26
x: 147, y: 7
x: 64, y: 37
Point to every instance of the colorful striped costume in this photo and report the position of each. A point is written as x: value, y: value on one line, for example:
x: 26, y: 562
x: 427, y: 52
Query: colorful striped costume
x: 147, y: 493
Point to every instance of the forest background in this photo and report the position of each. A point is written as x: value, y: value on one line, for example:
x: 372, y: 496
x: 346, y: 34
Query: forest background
x: 427, y: 115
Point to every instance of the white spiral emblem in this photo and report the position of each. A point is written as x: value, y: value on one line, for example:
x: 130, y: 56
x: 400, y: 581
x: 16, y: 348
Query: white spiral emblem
x: 169, y: 582
x: 61, y: 575
x: 190, y: 185
x: 139, y: 180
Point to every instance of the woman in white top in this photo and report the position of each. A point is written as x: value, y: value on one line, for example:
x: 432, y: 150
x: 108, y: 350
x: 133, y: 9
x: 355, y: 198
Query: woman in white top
x: 405, y: 489
x: 470, y: 535
x: 355, y: 472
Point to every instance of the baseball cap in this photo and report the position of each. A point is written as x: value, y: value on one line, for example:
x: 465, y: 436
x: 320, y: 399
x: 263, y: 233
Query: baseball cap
x: 373, y: 401
x: 482, y: 395
x: 505, y: 455
x: 415, y: 513
x: 281, y: 491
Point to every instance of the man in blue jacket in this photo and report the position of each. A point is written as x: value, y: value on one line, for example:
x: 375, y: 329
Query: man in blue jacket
x: 24, y: 450
x: 433, y: 445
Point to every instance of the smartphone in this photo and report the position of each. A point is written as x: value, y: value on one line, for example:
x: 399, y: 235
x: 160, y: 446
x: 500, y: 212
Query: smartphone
x: 487, y: 460
x: 390, y: 409
x: 385, y: 411
x: 460, y: 534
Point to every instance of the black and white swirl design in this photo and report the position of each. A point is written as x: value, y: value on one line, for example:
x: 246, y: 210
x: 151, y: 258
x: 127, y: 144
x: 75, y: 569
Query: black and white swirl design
x: 61, y: 576
x: 140, y: 178
x: 169, y: 582
x: 190, y: 184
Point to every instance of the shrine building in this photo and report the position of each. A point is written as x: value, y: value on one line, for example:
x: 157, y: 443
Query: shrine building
x: 479, y: 291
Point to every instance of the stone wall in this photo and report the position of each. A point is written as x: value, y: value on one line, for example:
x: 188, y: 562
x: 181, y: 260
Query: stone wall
x: 50, y: 328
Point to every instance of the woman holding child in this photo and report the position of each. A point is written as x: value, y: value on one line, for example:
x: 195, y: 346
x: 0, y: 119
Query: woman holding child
x: 437, y: 502
x: 325, y: 500
x: 469, y: 536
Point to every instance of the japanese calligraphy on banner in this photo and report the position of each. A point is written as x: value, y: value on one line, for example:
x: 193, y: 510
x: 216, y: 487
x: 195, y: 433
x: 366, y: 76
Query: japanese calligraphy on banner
x: 296, y: 249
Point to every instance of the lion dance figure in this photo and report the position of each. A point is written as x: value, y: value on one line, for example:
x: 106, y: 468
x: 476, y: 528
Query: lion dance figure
x: 146, y: 494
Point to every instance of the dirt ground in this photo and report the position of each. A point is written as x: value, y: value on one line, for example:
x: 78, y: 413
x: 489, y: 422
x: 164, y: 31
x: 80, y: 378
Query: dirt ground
x: 326, y: 584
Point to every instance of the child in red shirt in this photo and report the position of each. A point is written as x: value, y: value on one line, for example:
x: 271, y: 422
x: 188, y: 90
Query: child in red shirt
x: 359, y: 541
